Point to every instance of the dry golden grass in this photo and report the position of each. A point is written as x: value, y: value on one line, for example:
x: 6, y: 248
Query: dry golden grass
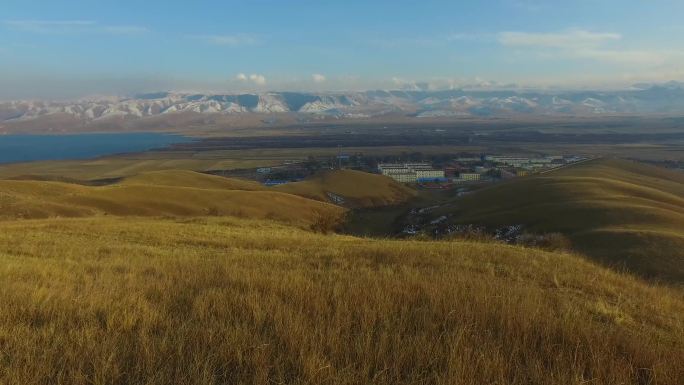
x: 164, y: 193
x: 185, y: 178
x: 129, y: 165
x: 622, y: 213
x: 359, y: 189
x: 230, y: 301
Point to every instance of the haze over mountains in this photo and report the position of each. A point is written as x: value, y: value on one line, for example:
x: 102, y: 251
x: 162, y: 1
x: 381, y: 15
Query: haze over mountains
x: 667, y: 98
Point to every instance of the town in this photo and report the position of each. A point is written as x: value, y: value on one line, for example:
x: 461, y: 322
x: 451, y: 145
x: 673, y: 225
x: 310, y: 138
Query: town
x: 421, y: 171
x: 466, y: 169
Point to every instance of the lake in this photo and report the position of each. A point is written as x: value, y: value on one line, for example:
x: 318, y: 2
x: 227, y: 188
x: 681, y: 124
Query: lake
x: 26, y: 148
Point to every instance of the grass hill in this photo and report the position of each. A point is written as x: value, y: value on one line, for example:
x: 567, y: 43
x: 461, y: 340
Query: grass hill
x: 359, y: 189
x: 110, y: 300
x: 121, y: 166
x: 184, y: 178
x: 164, y: 193
x: 620, y: 212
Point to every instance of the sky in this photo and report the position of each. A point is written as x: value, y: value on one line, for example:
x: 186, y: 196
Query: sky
x: 76, y: 48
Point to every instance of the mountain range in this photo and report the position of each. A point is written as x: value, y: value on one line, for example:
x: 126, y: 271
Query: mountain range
x: 667, y: 98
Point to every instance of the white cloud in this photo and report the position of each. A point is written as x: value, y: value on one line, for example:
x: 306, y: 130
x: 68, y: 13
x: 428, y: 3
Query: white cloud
x: 582, y: 44
x: 318, y: 78
x: 258, y: 79
x: 411, y: 85
x: 71, y: 26
x: 228, y: 40
x: 568, y: 39
x: 126, y: 30
x: 626, y: 56
x: 253, y: 78
x: 47, y: 26
x: 400, y: 82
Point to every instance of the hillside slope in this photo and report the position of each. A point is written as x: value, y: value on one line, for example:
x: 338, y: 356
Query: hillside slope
x: 186, y: 178
x: 120, y: 166
x: 619, y: 212
x: 215, y: 300
x: 165, y: 193
x: 358, y: 189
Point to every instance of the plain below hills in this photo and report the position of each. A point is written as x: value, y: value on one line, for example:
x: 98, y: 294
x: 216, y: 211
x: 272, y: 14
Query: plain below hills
x: 622, y: 213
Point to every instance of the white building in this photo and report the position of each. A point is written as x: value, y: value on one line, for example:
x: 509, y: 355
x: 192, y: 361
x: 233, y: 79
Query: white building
x: 417, y: 165
x: 467, y: 177
x: 409, y: 172
x: 429, y: 173
x: 407, y: 177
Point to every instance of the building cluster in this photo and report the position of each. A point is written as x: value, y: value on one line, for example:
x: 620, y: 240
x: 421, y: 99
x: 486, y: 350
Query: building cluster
x: 531, y: 164
x: 467, y: 169
x: 411, y: 172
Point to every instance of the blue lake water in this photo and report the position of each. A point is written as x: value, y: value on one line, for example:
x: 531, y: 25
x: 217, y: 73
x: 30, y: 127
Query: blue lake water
x: 26, y: 148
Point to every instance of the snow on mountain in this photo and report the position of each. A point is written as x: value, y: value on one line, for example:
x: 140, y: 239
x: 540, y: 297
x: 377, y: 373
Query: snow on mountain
x: 328, y: 103
x: 463, y: 101
x: 270, y: 103
x: 667, y: 98
x: 558, y: 101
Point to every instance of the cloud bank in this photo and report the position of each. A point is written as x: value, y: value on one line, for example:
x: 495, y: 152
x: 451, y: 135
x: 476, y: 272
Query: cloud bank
x: 71, y: 27
x: 567, y: 40
x: 236, y: 40
x: 605, y: 47
x: 257, y: 79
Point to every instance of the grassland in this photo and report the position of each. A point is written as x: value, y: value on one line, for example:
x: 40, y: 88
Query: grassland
x: 178, y: 277
x: 162, y: 193
x: 189, y: 193
x: 623, y: 213
x: 110, y: 300
x: 359, y: 189
x: 129, y: 165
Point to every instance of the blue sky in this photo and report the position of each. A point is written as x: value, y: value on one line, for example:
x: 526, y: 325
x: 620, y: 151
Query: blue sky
x: 66, y: 48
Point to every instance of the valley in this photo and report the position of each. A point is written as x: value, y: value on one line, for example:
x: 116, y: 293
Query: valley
x: 166, y: 258
x: 285, y: 256
x: 621, y: 213
x: 341, y: 192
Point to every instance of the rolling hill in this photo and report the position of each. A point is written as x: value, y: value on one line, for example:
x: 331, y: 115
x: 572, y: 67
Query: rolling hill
x: 355, y: 188
x: 622, y: 213
x: 189, y: 193
x: 227, y: 300
x: 121, y: 166
x: 163, y: 193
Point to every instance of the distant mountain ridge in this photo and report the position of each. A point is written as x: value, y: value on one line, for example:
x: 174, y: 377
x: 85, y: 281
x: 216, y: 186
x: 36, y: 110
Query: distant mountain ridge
x: 667, y: 98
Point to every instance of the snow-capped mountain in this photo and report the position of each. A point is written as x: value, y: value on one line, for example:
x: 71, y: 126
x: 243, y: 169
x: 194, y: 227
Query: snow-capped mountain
x: 640, y: 99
